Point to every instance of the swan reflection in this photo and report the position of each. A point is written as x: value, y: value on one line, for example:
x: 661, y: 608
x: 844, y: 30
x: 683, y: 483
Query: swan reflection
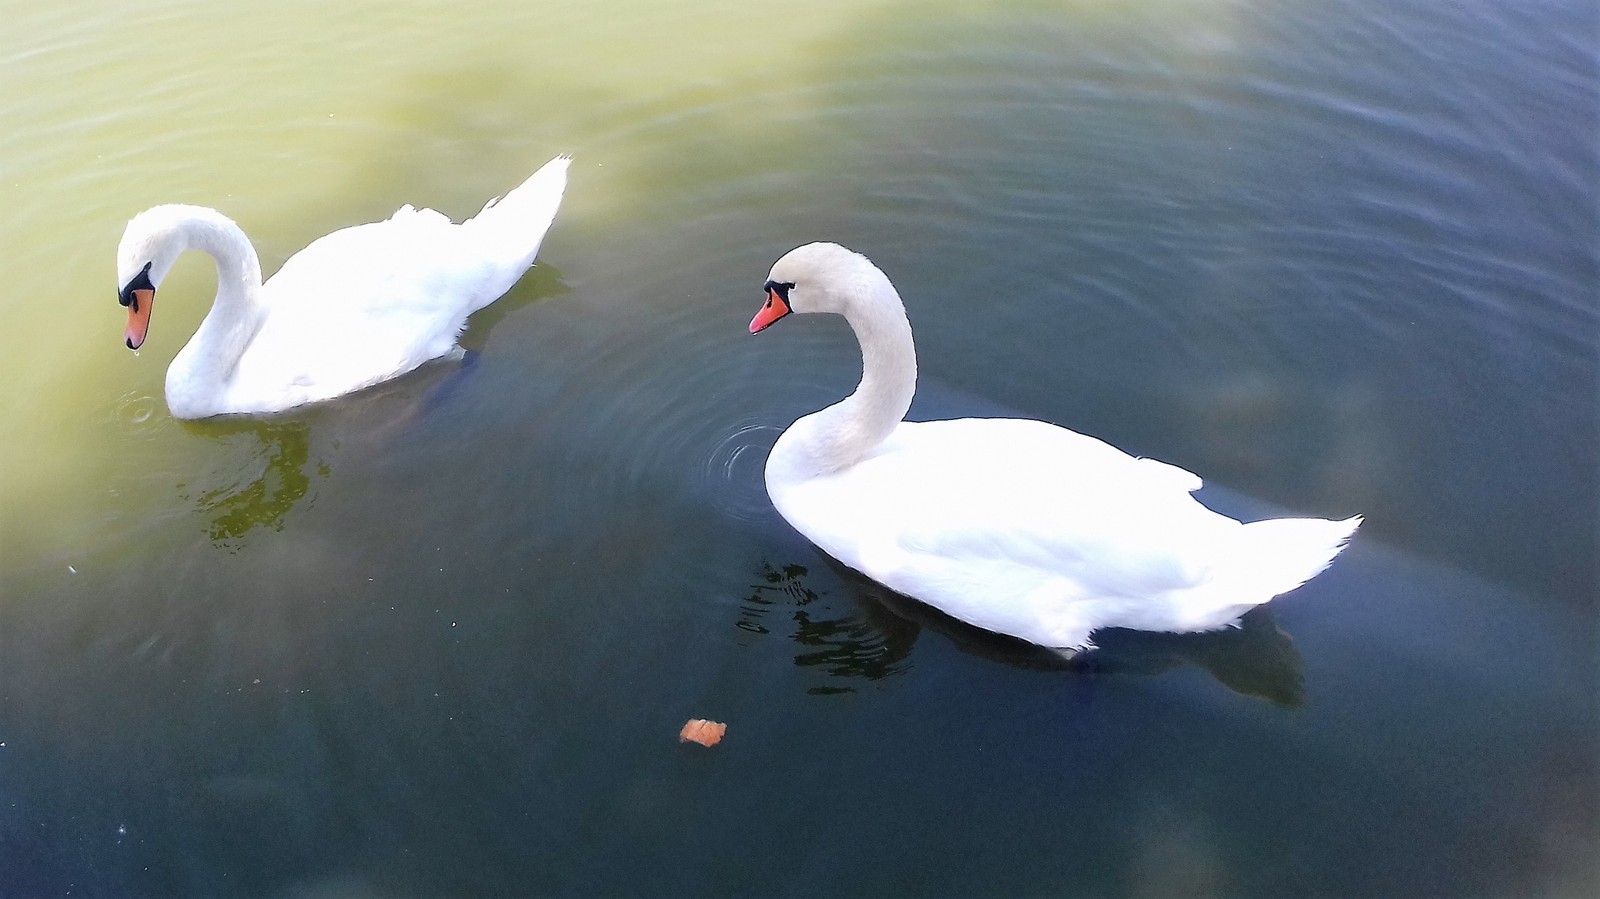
x: 865, y: 642
x: 263, y: 489
x: 872, y: 639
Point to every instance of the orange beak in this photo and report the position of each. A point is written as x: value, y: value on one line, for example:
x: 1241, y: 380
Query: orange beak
x: 139, y: 316
x: 775, y: 308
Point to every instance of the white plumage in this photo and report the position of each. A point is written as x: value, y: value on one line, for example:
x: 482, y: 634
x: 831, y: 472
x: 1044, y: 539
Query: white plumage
x: 354, y: 308
x: 1016, y: 526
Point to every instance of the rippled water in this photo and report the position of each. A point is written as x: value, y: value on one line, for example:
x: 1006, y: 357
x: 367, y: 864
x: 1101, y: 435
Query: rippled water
x: 438, y: 638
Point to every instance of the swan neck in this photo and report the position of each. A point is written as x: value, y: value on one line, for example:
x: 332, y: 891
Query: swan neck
x: 238, y: 267
x: 845, y: 433
x: 888, y: 368
x: 203, y: 367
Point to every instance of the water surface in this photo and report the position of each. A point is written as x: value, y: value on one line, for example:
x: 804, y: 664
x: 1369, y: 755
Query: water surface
x: 438, y: 638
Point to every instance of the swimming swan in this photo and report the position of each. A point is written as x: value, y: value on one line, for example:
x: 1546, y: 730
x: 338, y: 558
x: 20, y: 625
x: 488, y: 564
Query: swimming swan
x: 359, y: 306
x: 1019, y: 527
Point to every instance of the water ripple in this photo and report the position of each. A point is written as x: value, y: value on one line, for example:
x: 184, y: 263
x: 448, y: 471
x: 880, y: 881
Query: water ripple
x: 733, y: 464
x: 137, y: 409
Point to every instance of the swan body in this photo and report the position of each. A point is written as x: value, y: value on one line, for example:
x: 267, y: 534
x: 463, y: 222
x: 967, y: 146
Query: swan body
x: 356, y: 307
x: 1016, y: 526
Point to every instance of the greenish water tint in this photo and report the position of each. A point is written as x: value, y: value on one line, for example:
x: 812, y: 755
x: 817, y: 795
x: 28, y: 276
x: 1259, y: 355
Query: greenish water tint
x: 438, y: 638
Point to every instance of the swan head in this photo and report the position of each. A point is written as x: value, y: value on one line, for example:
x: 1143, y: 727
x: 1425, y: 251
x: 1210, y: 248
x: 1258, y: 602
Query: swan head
x: 819, y: 277
x: 151, y: 243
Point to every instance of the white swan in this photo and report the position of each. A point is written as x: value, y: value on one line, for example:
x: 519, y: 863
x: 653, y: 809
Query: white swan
x: 1019, y: 527
x: 359, y: 306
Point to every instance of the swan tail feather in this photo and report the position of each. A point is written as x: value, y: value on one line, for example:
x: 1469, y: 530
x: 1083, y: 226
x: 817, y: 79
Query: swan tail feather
x: 1267, y: 559
x: 508, y: 230
x: 1280, y: 554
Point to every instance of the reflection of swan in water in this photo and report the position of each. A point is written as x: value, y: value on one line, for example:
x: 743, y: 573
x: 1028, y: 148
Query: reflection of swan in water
x: 873, y: 640
x: 261, y: 488
x: 868, y: 646
x: 281, y: 481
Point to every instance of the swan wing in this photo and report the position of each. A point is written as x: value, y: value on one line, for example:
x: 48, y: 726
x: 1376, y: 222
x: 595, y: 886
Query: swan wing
x: 370, y: 302
x: 362, y: 305
x: 1011, y: 492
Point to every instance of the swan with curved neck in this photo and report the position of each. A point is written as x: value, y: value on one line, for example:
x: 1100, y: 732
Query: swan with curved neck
x: 1016, y: 526
x: 354, y: 308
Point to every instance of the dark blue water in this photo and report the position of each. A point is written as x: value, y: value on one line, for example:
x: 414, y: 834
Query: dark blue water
x: 438, y: 639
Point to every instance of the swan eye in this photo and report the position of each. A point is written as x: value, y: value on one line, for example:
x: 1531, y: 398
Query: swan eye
x: 781, y: 288
x: 140, y: 281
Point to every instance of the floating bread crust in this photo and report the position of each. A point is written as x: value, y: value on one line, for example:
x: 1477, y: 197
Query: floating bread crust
x: 699, y: 730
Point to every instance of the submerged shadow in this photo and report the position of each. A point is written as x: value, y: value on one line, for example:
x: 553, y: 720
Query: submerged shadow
x: 1257, y: 658
x: 873, y: 639
x: 281, y: 460
x: 541, y: 282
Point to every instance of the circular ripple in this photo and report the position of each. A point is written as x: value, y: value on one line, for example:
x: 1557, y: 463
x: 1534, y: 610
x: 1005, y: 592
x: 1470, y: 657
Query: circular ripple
x: 138, y: 410
x: 733, y: 472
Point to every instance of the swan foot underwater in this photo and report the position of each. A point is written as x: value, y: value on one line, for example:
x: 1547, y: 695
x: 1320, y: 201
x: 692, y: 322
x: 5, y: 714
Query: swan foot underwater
x: 354, y: 308
x: 1015, y: 526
